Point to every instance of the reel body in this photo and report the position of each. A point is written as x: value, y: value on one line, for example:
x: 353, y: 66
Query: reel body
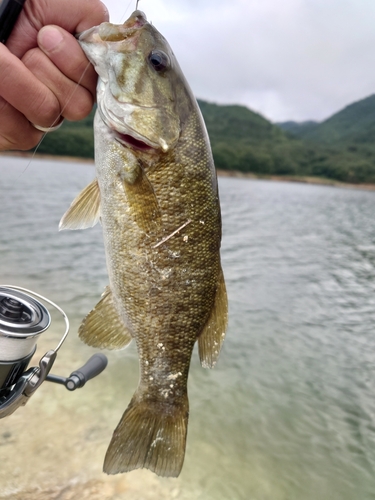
x: 23, y: 318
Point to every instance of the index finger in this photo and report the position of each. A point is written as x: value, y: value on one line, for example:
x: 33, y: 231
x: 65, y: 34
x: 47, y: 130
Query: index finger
x: 25, y: 92
x: 72, y: 15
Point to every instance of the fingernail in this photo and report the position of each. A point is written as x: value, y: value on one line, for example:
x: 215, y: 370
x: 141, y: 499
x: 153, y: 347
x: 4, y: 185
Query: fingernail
x: 49, y: 38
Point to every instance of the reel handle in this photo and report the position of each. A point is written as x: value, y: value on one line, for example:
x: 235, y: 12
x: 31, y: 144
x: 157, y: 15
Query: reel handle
x: 77, y: 379
x: 95, y: 365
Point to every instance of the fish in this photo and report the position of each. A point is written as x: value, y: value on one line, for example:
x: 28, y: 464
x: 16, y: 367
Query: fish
x: 156, y: 196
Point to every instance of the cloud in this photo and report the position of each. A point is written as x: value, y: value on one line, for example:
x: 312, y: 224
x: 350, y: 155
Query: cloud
x: 295, y: 59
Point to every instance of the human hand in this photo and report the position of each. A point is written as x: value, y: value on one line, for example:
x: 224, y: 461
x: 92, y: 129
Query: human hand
x: 44, y: 74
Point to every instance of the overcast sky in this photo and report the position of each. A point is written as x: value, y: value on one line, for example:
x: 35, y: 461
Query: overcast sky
x: 286, y: 59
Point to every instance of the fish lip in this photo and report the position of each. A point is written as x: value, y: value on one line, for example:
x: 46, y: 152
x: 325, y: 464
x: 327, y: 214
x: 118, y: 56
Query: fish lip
x: 107, y: 32
x: 115, y: 33
x: 137, y: 20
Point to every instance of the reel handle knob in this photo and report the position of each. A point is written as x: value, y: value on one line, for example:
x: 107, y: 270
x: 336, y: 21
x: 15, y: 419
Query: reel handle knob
x: 95, y: 365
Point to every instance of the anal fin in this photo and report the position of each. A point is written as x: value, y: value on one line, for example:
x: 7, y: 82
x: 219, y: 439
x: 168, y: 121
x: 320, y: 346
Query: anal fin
x: 84, y: 211
x: 212, y: 337
x: 103, y: 327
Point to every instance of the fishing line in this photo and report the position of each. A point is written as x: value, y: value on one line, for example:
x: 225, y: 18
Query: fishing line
x: 58, y: 118
x: 122, y: 18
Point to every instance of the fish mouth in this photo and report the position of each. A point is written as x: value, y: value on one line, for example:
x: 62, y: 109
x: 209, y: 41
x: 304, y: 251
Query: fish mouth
x: 127, y: 32
x: 128, y: 140
x: 108, y: 32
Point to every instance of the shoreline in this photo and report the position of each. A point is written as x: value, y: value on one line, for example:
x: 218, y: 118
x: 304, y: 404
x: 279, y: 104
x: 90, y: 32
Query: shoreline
x: 321, y: 181
x: 39, y: 156
x: 221, y: 173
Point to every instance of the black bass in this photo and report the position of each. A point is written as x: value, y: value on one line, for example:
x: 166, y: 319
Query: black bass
x: 157, y: 199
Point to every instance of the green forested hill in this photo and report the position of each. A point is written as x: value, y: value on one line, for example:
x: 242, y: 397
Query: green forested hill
x: 298, y: 129
x: 349, y: 136
x: 72, y: 139
x: 355, y: 124
x: 245, y: 141
x: 340, y: 148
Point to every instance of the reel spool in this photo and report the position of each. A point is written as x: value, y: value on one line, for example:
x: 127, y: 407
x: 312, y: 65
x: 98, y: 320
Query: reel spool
x: 22, y: 321
x: 23, y: 318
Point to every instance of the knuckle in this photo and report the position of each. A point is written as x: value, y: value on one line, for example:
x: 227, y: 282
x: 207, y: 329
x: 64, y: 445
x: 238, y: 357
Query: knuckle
x: 48, y: 109
x: 32, y: 58
x: 98, y: 13
x: 79, y: 107
x: 16, y: 132
x: 14, y: 140
x: 102, y: 10
x: 43, y: 102
x: 29, y: 142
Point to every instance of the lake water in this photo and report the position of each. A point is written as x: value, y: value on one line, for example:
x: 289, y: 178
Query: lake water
x: 288, y: 413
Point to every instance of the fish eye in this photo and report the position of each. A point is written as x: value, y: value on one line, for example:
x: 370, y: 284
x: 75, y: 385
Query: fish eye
x: 159, y: 60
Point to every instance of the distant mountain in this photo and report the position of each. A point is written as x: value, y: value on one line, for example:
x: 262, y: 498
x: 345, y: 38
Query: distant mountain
x: 238, y: 123
x: 245, y: 141
x: 353, y: 124
x: 298, y: 128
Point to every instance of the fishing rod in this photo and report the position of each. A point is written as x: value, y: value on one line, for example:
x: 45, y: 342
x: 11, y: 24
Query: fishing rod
x: 23, y: 318
x: 9, y: 12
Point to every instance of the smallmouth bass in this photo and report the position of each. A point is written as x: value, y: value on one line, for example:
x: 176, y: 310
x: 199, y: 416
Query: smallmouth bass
x: 157, y: 199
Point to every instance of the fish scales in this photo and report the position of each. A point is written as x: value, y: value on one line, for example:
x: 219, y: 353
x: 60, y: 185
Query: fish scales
x: 159, y: 208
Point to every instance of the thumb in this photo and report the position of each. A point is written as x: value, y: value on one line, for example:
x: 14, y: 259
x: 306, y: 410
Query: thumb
x: 50, y: 39
x: 65, y: 52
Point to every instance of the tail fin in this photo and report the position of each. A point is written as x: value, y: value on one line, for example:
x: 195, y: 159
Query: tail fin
x: 150, y: 435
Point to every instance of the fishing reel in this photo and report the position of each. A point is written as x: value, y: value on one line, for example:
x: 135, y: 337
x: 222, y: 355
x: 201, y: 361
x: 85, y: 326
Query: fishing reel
x: 23, y: 318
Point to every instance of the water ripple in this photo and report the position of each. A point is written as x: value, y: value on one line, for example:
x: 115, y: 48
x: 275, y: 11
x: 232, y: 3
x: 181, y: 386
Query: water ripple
x: 289, y: 411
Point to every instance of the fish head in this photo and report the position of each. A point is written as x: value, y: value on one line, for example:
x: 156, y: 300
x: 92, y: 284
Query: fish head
x: 140, y: 83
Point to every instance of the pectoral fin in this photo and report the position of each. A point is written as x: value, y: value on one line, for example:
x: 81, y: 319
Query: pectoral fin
x: 142, y: 201
x: 103, y: 326
x: 84, y: 211
x: 212, y: 337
